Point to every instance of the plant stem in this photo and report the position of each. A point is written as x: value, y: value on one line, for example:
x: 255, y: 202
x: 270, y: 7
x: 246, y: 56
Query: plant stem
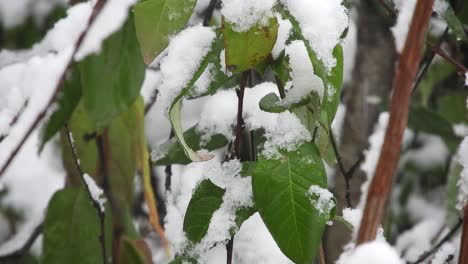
x: 436, y: 49
x: 380, y: 187
x: 100, y: 213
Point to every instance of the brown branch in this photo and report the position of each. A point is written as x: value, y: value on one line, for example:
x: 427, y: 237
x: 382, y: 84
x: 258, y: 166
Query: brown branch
x: 96, y: 10
x: 382, y: 181
x: 101, y: 214
x: 463, y: 258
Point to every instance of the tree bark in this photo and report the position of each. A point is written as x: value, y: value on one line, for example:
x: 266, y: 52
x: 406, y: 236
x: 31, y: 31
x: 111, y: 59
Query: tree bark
x: 463, y: 258
x: 372, y: 76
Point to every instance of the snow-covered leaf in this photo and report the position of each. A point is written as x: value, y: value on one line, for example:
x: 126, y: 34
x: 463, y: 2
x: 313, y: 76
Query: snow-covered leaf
x: 175, y: 108
x: 245, y: 50
x: 112, y: 80
x: 446, y: 12
x: 272, y: 103
x: 206, y: 199
x: 71, y: 229
x: 280, y: 189
x: 157, y: 20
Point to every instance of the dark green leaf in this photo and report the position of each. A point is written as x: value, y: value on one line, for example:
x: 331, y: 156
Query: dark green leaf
x: 206, y: 199
x: 453, y: 107
x: 426, y: 120
x: 157, y: 20
x: 129, y: 252
x: 335, y: 82
x: 271, y: 103
x: 112, y: 80
x: 245, y: 50
x: 71, y: 229
x: 68, y: 100
x: 453, y: 214
x: 280, y: 192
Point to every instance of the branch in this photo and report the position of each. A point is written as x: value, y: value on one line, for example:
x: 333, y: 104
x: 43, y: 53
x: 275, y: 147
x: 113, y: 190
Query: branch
x: 15, y: 118
x: 347, y: 174
x: 96, y: 10
x: 382, y: 181
x: 153, y: 99
x: 436, y: 49
x: 463, y: 258
x: 428, y: 57
x: 235, y: 152
x: 208, y: 13
x: 100, y: 213
x: 434, y: 249
x: 25, y: 248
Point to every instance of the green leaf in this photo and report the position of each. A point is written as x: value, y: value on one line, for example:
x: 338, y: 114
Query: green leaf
x: 67, y: 102
x: 174, y: 112
x: 206, y: 199
x: 245, y: 50
x: 280, y: 193
x: 72, y: 229
x: 112, y: 80
x: 455, y: 25
x: 157, y: 20
x: 453, y: 107
x: 452, y: 193
x: 271, y: 103
x: 437, y: 72
x: 426, y: 120
x: 335, y: 84
x: 175, y: 151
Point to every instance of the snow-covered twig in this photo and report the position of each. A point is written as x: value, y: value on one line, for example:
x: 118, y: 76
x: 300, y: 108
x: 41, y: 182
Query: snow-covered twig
x: 434, y: 249
x: 95, y: 12
x: 97, y: 204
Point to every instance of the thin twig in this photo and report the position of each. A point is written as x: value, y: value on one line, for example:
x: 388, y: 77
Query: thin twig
x: 96, y: 10
x: 15, y: 118
x: 460, y: 68
x: 389, y: 9
x: 101, y: 213
x: 347, y: 174
x: 208, y: 13
x: 26, y: 246
x: 235, y: 152
x: 152, y: 101
x: 434, y: 249
x: 408, y: 64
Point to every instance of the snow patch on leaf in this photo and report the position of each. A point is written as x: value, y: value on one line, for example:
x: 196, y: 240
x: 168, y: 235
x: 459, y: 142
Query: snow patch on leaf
x: 321, y: 199
x: 244, y: 14
x: 96, y: 193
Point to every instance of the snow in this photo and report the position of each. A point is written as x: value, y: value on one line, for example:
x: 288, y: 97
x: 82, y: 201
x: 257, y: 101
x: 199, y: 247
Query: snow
x: 185, y: 53
x: 466, y: 78
x: 304, y: 81
x: 443, y: 253
x: 377, y: 251
x: 322, y: 23
x: 287, y: 135
x: 405, y: 14
x: 14, y: 13
x: 244, y: 14
x: 440, y: 6
x: 324, y: 202
x: 203, y: 83
x: 110, y: 19
x: 462, y: 158
x: 353, y: 216
x: 96, y: 193
x: 284, y: 30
